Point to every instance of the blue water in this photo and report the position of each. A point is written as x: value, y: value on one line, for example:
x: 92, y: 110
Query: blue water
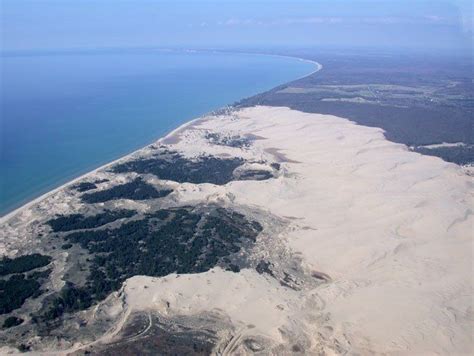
x: 63, y: 114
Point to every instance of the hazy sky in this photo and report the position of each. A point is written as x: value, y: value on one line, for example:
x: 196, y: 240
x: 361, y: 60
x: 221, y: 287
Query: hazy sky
x: 33, y: 24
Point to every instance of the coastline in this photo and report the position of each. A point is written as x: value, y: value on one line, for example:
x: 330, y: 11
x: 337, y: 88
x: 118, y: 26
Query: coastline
x: 11, y: 214
x: 34, y: 201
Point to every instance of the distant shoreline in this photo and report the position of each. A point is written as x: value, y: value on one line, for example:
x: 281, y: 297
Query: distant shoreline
x: 15, y: 211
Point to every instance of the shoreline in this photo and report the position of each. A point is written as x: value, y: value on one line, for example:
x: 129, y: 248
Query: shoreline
x: 43, y: 196
x: 18, y: 210
x: 318, y: 65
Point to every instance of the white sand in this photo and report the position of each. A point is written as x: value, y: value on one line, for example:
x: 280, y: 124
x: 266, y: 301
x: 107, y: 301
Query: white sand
x: 246, y: 297
x: 392, y: 228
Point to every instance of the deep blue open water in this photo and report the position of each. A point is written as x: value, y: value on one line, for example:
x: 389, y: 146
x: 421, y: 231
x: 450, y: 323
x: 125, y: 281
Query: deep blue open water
x: 63, y: 114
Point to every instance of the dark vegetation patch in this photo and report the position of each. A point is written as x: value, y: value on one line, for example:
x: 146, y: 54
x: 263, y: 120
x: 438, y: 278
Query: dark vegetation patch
x: 84, y: 186
x: 12, y: 321
x: 173, y: 166
x: 69, y: 299
x: 135, y: 190
x: 255, y: 174
x: 15, y: 290
x: 19, y: 286
x: 233, y: 268
x: 182, y: 240
x: 99, y: 181
x: 79, y: 221
x: 37, y: 275
x: 264, y: 267
x: 66, y: 246
x: 230, y: 141
x: 24, y: 348
x: 23, y: 263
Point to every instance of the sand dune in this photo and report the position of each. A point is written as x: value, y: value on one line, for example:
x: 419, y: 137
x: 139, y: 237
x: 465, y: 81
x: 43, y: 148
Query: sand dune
x: 387, y: 232
x: 392, y: 229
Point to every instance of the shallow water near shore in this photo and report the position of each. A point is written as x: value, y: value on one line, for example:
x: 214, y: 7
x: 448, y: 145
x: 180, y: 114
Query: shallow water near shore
x: 63, y: 114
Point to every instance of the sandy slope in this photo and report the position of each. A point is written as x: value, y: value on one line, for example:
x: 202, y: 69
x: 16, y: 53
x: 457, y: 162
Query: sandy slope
x: 392, y: 228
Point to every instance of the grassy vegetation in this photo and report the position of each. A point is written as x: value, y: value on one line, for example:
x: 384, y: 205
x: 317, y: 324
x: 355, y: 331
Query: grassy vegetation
x: 23, y: 263
x: 135, y: 190
x: 79, y: 221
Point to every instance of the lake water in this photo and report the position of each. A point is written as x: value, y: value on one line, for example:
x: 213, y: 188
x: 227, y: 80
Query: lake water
x: 63, y: 114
